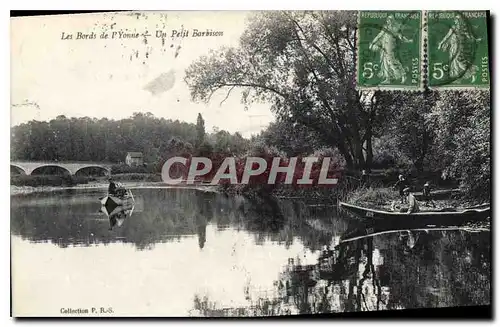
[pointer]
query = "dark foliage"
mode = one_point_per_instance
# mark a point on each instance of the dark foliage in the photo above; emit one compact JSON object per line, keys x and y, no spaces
{"x":48,"y":180}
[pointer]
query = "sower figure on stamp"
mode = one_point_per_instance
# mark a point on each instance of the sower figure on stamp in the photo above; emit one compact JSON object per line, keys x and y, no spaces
{"x":385,"y":43}
{"x":455,"y":42}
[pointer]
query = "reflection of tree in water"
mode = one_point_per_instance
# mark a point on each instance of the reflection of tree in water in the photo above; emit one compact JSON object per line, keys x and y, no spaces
{"x":203,"y":306}
{"x":447,"y":269}
{"x":439,"y":270}
{"x":165,"y":216}
{"x":264,"y":215}
{"x":282,"y":221}
{"x":169,"y":215}
{"x":51,"y":223}
{"x":201,"y":230}
{"x":379,"y":273}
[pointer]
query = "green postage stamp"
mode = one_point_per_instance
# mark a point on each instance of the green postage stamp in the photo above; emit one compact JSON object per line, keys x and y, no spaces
{"x":389,"y":45}
{"x":457,"y":49}
{"x":394,"y":46}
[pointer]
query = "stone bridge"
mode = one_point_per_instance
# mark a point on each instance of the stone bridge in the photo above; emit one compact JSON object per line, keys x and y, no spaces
{"x":33,"y":167}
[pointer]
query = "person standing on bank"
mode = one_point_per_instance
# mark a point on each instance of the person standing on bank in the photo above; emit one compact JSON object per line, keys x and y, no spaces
{"x":364,"y":178}
{"x":426,"y":192}
{"x":401,"y":184}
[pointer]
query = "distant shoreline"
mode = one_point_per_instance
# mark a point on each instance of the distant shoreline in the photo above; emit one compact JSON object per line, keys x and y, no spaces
{"x":24,"y":190}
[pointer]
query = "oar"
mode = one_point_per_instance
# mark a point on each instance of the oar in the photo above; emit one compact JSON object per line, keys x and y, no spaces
{"x":133,"y":201}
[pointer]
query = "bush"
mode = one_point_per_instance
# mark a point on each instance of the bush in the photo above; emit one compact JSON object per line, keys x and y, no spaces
{"x":48,"y":180}
{"x":258,"y":185}
{"x":462,"y":123}
{"x":125,"y":169}
{"x":383,"y":159}
{"x":337,"y":160}
{"x":144,"y":177}
{"x":387,"y":154}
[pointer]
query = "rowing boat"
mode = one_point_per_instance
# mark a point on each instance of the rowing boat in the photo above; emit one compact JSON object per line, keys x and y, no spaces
{"x":445,"y":217}
{"x":117,"y":208}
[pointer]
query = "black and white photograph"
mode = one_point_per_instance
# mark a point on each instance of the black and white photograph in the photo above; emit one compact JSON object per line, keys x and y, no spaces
{"x":280,"y":163}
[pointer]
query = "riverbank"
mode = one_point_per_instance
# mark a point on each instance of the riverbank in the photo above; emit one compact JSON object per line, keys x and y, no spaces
{"x":23,"y":190}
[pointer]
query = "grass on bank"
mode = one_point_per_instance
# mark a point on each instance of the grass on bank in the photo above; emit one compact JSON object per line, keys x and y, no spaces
{"x":375,"y":196}
{"x":48,"y":180}
{"x":72,"y":180}
{"x":137,"y":177}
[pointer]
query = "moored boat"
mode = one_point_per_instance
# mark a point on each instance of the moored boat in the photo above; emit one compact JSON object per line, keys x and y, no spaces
{"x":445,"y":217}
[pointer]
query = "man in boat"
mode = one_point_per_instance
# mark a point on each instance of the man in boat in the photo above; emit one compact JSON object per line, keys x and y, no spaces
{"x":401,"y":184}
{"x":116,"y":189}
{"x":112,"y":187}
{"x":426,"y":192}
{"x":412,"y":201}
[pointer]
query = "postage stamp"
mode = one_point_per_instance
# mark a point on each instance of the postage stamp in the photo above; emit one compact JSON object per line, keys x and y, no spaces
{"x":458,"y":49}
{"x":389,"y":47}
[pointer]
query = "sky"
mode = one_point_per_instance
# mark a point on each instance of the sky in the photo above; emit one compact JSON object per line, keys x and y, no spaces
{"x":116,"y":77}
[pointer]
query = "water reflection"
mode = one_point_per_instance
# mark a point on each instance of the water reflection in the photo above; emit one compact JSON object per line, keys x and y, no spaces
{"x":166,"y":215}
{"x":442,"y":269}
{"x":200,"y":253}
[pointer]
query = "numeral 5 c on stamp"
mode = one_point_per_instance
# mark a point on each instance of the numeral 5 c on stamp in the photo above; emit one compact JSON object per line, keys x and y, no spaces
{"x":457,"y":49}
{"x":389,"y":50}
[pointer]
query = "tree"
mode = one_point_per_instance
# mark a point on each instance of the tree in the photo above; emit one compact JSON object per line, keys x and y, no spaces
{"x":406,"y":126}
{"x":90,"y":139}
{"x":461,"y":121}
{"x":200,"y":130}
{"x":226,"y":143}
{"x":302,"y":63}
{"x":291,"y":138}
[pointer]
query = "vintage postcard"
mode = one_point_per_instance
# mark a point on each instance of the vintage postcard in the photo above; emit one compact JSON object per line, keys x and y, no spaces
{"x":250,"y":164}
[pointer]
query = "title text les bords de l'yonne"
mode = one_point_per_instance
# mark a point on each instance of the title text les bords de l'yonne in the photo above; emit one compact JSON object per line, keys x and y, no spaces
{"x":179,"y":33}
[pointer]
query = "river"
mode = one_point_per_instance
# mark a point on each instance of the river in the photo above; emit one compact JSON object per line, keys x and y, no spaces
{"x":192,"y":253}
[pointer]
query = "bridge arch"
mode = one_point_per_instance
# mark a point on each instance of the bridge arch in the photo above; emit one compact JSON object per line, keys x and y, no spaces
{"x":104,"y":170}
{"x":40,"y":169}
{"x":17,"y":170}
